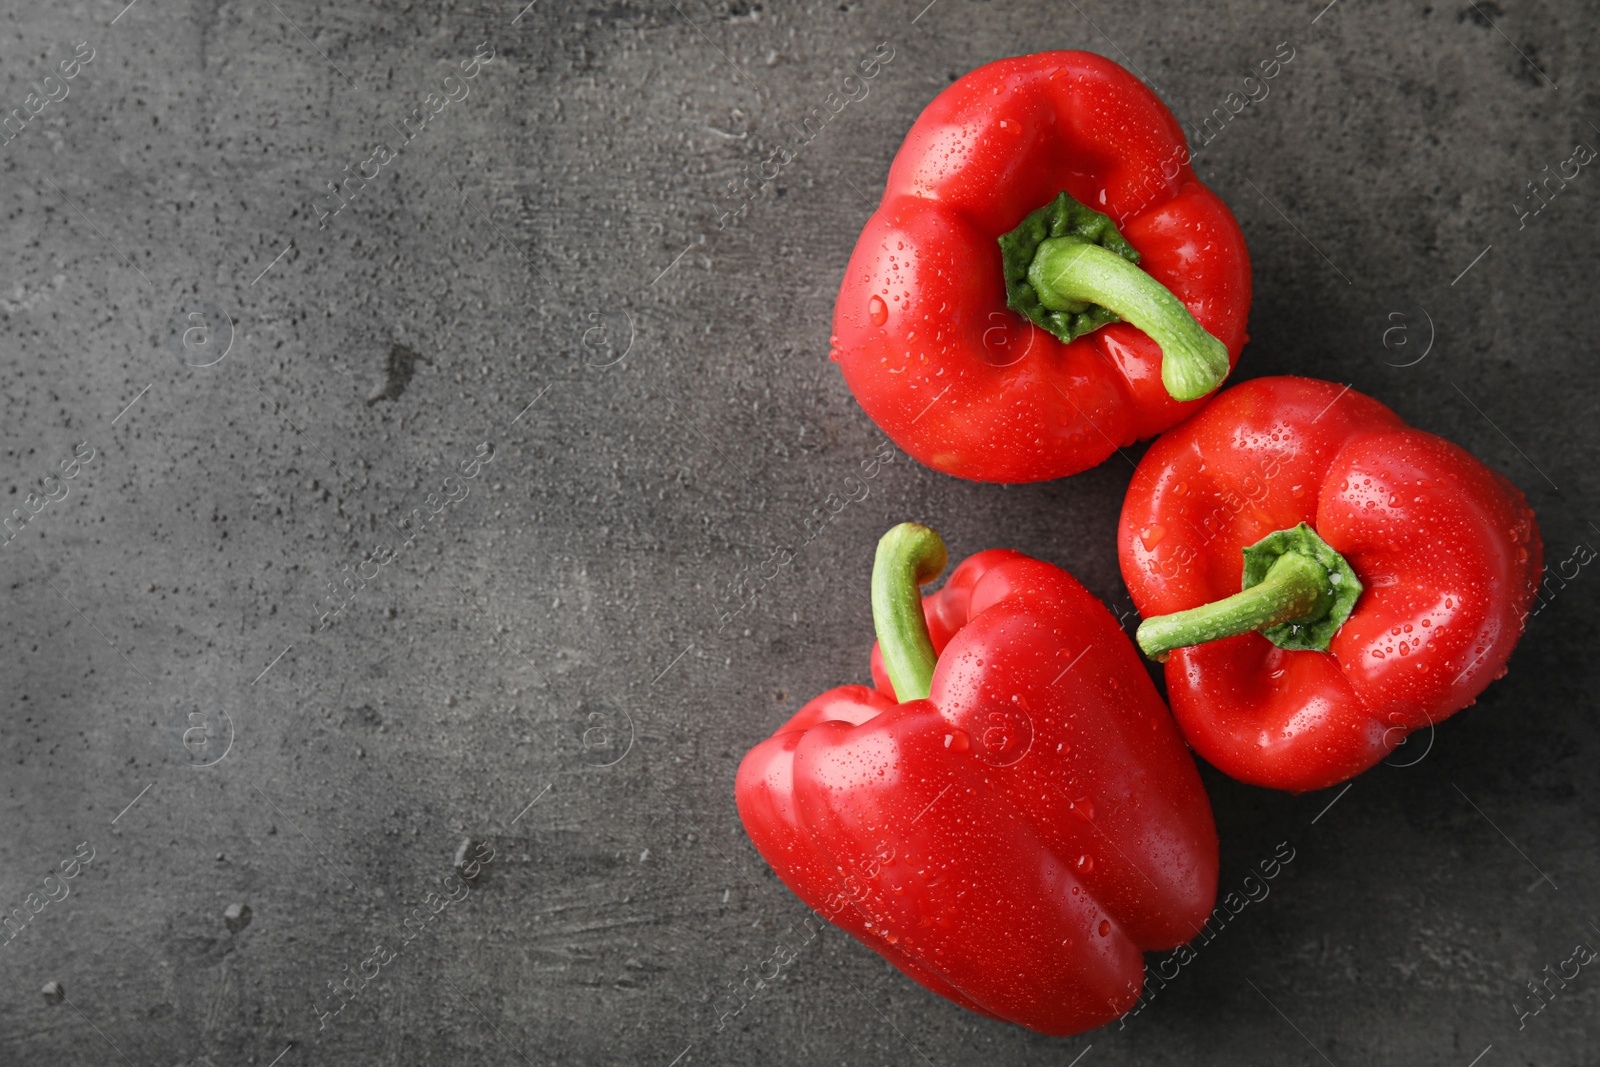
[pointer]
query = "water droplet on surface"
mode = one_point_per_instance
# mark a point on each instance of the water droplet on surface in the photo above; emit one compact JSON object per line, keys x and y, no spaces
{"x":1085,"y":863}
{"x":877,"y":311}
{"x":1105,"y":927}
{"x":1151,"y":536}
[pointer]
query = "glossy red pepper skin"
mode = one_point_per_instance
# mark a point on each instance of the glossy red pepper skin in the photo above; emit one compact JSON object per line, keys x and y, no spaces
{"x":921,"y":327}
{"x":1446,"y":549}
{"x":1015,"y":841}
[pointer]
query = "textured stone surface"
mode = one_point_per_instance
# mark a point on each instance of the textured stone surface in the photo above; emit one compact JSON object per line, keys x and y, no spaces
{"x":542,"y":669}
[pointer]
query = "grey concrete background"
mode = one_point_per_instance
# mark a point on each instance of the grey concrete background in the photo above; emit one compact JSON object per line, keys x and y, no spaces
{"x":552,"y":639}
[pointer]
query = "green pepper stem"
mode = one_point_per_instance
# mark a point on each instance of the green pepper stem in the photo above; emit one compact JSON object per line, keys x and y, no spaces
{"x":909,"y":555}
{"x":1070,"y":274}
{"x":1296,"y":589}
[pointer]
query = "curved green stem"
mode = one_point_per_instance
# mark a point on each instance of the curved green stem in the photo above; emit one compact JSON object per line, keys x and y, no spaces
{"x":1297,"y":592}
{"x":1293,"y":590}
{"x":909,"y":555}
{"x":1070,"y":274}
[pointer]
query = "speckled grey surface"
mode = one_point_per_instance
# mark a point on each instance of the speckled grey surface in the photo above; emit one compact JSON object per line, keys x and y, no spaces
{"x":541,"y":268}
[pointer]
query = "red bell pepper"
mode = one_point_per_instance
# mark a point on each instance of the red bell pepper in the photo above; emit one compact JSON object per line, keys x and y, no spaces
{"x":1022,"y":825}
{"x":978,"y":320}
{"x":1379,"y":577}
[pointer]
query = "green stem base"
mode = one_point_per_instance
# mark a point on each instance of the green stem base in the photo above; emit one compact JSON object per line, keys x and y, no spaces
{"x":1297,"y":592}
{"x":1070,"y":272}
